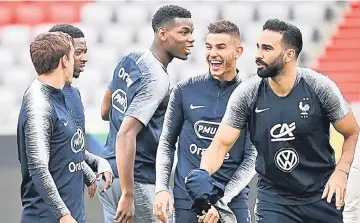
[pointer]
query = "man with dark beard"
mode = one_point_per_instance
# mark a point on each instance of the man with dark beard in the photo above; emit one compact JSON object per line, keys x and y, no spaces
{"x":288,"y":111}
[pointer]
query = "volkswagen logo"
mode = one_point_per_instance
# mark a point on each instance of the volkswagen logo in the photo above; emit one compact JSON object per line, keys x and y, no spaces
{"x":286,"y":159}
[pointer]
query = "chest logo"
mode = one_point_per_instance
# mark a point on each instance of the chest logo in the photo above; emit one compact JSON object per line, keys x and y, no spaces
{"x":286,"y":159}
{"x":119,"y":101}
{"x":257,"y":110}
{"x":205,"y":129}
{"x":192,"y":107}
{"x":304,"y":108}
{"x":78,"y":141}
{"x":282,"y":132}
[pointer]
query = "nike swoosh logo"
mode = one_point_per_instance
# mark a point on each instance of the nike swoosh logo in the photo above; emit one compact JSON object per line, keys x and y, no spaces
{"x":66,"y":123}
{"x":257,"y":110}
{"x":196,"y":106}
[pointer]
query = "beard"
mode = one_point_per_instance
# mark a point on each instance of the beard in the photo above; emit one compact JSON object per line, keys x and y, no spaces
{"x":272,"y":69}
{"x":76,"y":74}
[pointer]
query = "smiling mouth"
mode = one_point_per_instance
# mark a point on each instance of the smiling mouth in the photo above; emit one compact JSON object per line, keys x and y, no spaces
{"x":216,"y":63}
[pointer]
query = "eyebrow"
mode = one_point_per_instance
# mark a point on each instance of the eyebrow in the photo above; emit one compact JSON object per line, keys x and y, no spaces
{"x":265,"y":45}
{"x":220,"y":44}
{"x":186,"y":28}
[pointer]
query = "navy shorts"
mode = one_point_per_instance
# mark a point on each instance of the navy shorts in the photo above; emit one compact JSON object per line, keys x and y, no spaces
{"x":317,"y":212}
{"x":183,"y":215}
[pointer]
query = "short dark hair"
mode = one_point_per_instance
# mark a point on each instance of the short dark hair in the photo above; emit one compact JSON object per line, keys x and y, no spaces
{"x":167,"y":13}
{"x":71,"y":30}
{"x":47,"y":49}
{"x":291,"y":34}
{"x":224,"y":26}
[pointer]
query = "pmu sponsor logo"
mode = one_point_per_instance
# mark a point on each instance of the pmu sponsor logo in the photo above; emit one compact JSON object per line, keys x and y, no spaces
{"x":194,"y":149}
{"x":205,"y":129}
{"x":74,"y":167}
{"x":78,"y":141}
{"x":119,"y":100}
{"x":125,"y":76}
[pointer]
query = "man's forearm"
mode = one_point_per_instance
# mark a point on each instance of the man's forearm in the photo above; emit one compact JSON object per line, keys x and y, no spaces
{"x":125,"y":159}
{"x":242,"y":177}
{"x":348,"y":152}
{"x":46,"y":187}
{"x":212,"y":158}
{"x":89,"y":175}
{"x":164,"y":163}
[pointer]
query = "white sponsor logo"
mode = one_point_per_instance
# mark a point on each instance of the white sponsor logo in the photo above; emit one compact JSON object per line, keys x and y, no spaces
{"x":286,"y":159}
{"x":257,"y":110}
{"x":196,"y":106}
{"x":73,"y":167}
{"x":125,"y":76}
{"x":194,"y":149}
{"x":205,"y":129}
{"x":282,"y":132}
{"x":66,"y":123}
{"x":119,"y":100}
{"x":78,"y":141}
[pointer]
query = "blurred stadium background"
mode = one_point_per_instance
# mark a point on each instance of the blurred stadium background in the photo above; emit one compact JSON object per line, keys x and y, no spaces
{"x":331,"y":34}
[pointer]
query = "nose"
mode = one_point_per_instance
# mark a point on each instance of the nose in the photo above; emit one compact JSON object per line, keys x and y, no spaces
{"x":84,"y":58}
{"x":213,"y":52}
{"x":259,"y":55}
{"x":191,"y":38}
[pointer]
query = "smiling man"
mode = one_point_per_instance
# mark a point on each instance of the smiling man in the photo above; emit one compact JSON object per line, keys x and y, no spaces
{"x":137,"y":98}
{"x":194,"y":121}
{"x":289,"y":111}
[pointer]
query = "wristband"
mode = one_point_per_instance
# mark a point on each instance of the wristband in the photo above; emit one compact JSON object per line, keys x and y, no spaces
{"x":343,"y":171}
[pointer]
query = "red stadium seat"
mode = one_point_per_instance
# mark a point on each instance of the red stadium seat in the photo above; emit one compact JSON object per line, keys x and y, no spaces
{"x":63,"y":13}
{"x":6,"y":14}
{"x":341,"y":58}
{"x":29,"y":13}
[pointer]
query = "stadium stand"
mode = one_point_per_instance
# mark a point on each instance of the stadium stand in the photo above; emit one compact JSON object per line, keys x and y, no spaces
{"x":113,"y":28}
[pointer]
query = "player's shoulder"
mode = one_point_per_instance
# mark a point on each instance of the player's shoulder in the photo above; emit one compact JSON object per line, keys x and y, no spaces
{"x":37,"y":96}
{"x":193,"y":80}
{"x":249,"y":84}
{"x":316,"y":80}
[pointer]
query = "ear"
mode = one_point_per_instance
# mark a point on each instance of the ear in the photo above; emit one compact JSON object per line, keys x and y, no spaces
{"x":239,"y":51}
{"x":64,"y":61}
{"x":162,"y":33}
{"x":289,"y":55}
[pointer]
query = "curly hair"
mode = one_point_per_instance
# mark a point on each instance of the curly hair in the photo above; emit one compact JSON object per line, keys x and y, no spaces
{"x":167,"y":13}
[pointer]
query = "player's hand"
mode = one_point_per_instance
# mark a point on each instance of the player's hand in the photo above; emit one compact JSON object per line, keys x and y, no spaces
{"x":67,"y":219}
{"x":162,"y":200}
{"x":108,"y":178}
{"x":125,"y":210}
{"x":336,"y":184}
{"x":212,"y":216}
{"x":92,"y":191}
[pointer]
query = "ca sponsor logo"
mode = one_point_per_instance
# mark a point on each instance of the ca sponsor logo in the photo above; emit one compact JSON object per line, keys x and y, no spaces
{"x":194,"y":149}
{"x":119,"y":100}
{"x":78,"y":141}
{"x":74,"y":167}
{"x":125,"y":76}
{"x":205,"y":129}
{"x":282,"y":132}
{"x":286,"y":159}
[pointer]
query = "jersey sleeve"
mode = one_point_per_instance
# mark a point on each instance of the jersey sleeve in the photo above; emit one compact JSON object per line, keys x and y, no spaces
{"x":148,"y":96}
{"x":38,"y":130}
{"x":244,"y":173}
{"x":173,"y":122}
{"x":238,"y":106}
{"x":89,"y":175}
{"x":97,"y":163}
{"x":333,"y":102}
